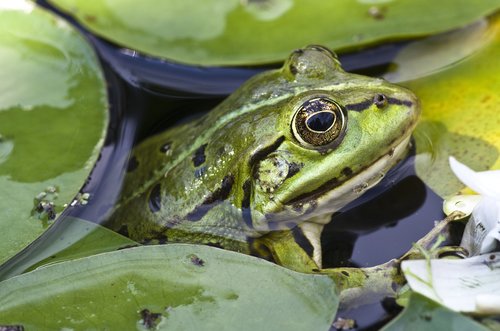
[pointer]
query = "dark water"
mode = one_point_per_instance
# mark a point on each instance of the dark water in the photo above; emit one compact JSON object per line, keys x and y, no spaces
{"x":148,"y":95}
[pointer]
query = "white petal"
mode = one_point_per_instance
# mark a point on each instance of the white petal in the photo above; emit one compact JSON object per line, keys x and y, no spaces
{"x":481,"y":232}
{"x":458,"y":284}
{"x":21,"y":5}
{"x":484,"y":182}
{"x":488,"y":211}
{"x":488,"y":304}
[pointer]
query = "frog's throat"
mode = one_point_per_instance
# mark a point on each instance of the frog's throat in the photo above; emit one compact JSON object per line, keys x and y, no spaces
{"x":347,"y":192}
{"x":331,"y":199}
{"x":350,"y":190}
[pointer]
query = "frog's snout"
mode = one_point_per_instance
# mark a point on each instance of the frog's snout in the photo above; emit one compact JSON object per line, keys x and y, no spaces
{"x":414,"y":110}
{"x":410,"y":103}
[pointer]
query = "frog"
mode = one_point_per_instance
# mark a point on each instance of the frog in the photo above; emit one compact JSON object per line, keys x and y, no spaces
{"x":264,"y":171}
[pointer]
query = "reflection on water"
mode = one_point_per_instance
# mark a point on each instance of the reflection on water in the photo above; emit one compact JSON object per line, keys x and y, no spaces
{"x":347,"y":239}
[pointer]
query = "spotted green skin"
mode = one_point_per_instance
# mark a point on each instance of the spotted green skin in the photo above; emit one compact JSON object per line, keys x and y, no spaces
{"x":238,"y":174}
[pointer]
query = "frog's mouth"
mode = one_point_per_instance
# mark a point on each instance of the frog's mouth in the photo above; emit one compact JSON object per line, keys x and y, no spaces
{"x":335,"y":194}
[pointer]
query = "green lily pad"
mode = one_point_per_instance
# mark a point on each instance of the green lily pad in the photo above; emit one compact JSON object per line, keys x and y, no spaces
{"x":459,"y":108}
{"x":435,"y":144}
{"x":433,"y":54}
{"x":424,"y":314}
{"x":174,"y":287}
{"x":53,"y":115}
{"x":77,"y":238}
{"x":249,"y":32}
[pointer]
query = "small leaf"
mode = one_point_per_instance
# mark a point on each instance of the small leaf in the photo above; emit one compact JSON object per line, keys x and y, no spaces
{"x":462,"y":203}
{"x":424,"y":314}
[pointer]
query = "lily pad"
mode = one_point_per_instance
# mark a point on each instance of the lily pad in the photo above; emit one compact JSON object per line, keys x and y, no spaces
{"x":53,"y":115}
{"x":433,"y":54}
{"x":75,"y":238}
{"x":424,"y":314}
{"x":435,"y":144}
{"x":174,"y":287}
{"x":249,"y":32}
{"x":459,"y":111}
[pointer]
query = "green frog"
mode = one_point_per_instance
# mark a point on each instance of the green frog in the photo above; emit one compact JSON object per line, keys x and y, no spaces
{"x":271,"y":163}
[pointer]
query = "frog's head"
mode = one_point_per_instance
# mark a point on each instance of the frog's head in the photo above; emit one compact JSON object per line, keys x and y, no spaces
{"x":334,"y":135}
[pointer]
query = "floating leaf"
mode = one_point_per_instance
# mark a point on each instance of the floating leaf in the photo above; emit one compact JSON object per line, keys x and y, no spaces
{"x":460,"y":112}
{"x":431,"y":55}
{"x":76,"y":238}
{"x":435,"y":144}
{"x":243,"y":32}
{"x":53,"y":115}
{"x":174,"y":287}
{"x":424,"y":314}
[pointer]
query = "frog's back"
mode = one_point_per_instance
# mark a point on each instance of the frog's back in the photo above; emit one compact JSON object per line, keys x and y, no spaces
{"x":187,"y":184}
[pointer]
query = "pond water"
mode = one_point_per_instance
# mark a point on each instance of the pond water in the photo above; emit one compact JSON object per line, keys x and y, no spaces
{"x":148,"y":95}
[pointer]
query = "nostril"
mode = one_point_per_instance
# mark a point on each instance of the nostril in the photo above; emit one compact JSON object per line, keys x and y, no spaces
{"x":380,"y":100}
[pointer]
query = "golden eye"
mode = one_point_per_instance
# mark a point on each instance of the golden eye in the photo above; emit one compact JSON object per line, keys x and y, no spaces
{"x":319,"y":123}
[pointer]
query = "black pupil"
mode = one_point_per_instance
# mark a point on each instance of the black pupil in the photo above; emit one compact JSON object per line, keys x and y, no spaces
{"x":321,"y":121}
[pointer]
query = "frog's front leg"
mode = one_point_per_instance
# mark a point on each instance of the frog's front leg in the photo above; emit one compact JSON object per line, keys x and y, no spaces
{"x":356,"y":285}
{"x":359,"y":286}
{"x":287,"y":252}
{"x":312,"y":231}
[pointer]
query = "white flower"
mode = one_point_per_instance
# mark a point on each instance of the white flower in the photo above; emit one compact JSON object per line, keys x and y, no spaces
{"x":483,"y":228}
{"x":470,"y":285}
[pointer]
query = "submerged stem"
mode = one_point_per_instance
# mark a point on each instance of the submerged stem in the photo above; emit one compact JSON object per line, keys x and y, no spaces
{"x":359,"y":286}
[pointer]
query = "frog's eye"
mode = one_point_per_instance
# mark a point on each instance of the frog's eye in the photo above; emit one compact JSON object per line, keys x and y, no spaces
{"x":319,"y":123}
